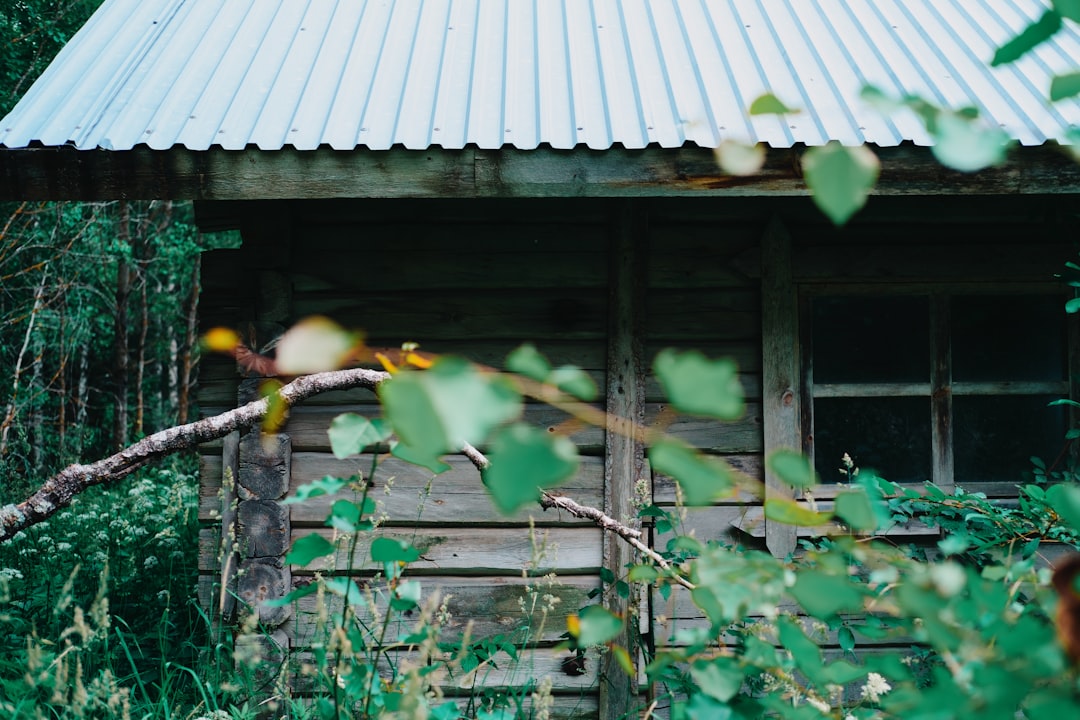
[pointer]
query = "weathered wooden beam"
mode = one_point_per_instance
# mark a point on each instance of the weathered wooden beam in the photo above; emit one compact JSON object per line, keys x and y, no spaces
{"x":65,"y":173}
{"x":780,"y":370}
{"x":624,"y":463}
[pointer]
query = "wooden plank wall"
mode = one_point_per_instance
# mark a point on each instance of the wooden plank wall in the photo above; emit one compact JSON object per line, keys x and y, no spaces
{"x":477,"y":278}
{"x":457,"y":279}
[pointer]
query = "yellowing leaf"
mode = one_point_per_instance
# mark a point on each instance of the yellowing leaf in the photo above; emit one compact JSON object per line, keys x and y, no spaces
{"x":220,"y":339}
{"x":315,"y":344}
{"x":790,"y":512}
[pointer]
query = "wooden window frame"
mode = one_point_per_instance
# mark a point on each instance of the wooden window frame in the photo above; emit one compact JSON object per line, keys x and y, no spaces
{"x":939,"y":388}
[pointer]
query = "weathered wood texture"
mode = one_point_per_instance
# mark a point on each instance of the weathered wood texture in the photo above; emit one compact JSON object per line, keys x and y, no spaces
{"x":69,"y":174}
{"x":624,"y":455}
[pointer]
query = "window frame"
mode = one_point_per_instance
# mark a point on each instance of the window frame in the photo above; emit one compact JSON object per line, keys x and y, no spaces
{"x":939,"y":388}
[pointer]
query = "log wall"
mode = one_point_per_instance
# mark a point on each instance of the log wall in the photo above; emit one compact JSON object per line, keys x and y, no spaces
{"x":478,"y":278}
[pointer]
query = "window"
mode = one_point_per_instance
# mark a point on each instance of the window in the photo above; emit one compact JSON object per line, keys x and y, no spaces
{"x":933,"y":384}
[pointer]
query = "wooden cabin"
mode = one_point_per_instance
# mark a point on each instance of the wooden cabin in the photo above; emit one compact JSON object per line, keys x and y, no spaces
{"x":471,"y":176}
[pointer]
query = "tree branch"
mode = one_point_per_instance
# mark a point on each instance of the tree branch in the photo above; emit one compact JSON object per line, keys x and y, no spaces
{"x":610,"y":524}
{"x":59,"y":490}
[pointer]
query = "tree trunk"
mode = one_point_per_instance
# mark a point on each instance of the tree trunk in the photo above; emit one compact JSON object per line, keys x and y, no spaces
{"x":120,"y":337}
{"x":187,"y":366}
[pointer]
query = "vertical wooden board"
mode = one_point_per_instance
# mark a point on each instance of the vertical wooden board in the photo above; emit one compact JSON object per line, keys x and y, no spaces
{"x":780,"y":369}
{"x":624,"y":455}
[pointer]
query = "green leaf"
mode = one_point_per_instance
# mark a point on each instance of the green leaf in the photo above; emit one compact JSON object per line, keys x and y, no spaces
{"x":439,"y":410}
{"x":1068,"y":9}
{"x":962,"y":144}
{"x":345,"y":517}
{"x":702,"y":478}
{"x":769,"y":104}
{"x":1037,"y":32}
{"x":842,"y":672}
{"x":351,"y":433}
{"x":792,"y":468}
{"x":528,"y":361}
{"x":326,"y":486}
{"x":416,"y":456}
{"x":574,"y":381}
{"x":1065,"y":86}
{"x":840,"y":178}
{"x":346,"y":588}
{"x":524,"y":460}
{"x":639,"y":573}
{"x":308,"y":548}
{"x":699,"y":386}
{"x":1063,"y":401}
{"x":720,"y":678}
{"x":855,"y":509}
{"x":790,"y":512}
{"x":406,"y":596}
{"x":845,"y":638}
{"x":1072,"y":305}
{"x":824,"y":595}
{"x":804,"y":651}
{"x":296,"y":594}
{"x":1065,"y":500}
{"x":597,"y":625}
{"x":386,"y":549}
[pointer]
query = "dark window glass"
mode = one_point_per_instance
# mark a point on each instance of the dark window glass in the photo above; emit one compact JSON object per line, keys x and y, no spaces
{"x":871,"y":339}
{"x":994,"y":436}
{"x":1015,"y":338}
{"x":888,"y":435}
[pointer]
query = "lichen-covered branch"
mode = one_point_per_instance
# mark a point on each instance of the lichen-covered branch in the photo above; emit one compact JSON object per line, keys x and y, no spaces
{"x":610,"y":524}
{"x":58,"y":491}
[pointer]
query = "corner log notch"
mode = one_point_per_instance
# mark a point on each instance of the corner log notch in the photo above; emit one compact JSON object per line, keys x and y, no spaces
{"x":66,"y":173}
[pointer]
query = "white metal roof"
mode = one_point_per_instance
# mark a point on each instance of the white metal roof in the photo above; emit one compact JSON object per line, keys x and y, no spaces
{"x":567,"y":73}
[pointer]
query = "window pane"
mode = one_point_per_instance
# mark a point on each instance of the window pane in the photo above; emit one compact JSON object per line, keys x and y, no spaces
{"x":871,"y":339}
{"x":993,"y":436}
{"x":889,"y":435}
{"x":1017,"y":338}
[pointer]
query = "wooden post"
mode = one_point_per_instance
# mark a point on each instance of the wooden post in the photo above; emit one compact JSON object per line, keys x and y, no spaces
{"x":781,"y":398}
{"x":624,"y":462}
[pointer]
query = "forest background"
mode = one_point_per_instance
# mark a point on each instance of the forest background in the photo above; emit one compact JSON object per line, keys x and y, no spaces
{"x":98,"y":334}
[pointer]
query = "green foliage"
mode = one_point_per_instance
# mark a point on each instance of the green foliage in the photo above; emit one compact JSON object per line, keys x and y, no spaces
{"x":840,"y":178}
{"x":524,"y":461}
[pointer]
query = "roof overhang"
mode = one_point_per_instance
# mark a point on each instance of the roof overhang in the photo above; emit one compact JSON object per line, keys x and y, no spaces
{"x":66,"y":173}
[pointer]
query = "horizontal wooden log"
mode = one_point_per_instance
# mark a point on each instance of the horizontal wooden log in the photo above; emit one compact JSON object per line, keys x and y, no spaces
{"x":408,"y":494}
{"x":454,"y":551}
{"x":508,"y":606}
{"x":752,"y":466}
{"x":577,"y":680}
{"x":218,"y":391}
{"x":553,"y":312}
{"x":65,"y":173}
{"x":307,"y":427}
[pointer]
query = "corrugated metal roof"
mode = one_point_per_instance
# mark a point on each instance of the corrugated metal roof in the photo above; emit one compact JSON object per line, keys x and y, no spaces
{"x":450,"y":73}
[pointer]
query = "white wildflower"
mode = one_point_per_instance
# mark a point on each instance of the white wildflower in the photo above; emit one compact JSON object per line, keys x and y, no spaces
{"x":875,"y":687}
{"x":9,"y":573}
{"x":818,"y":703}
{"x":150,"y":562}
{"x":63,"y":547}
